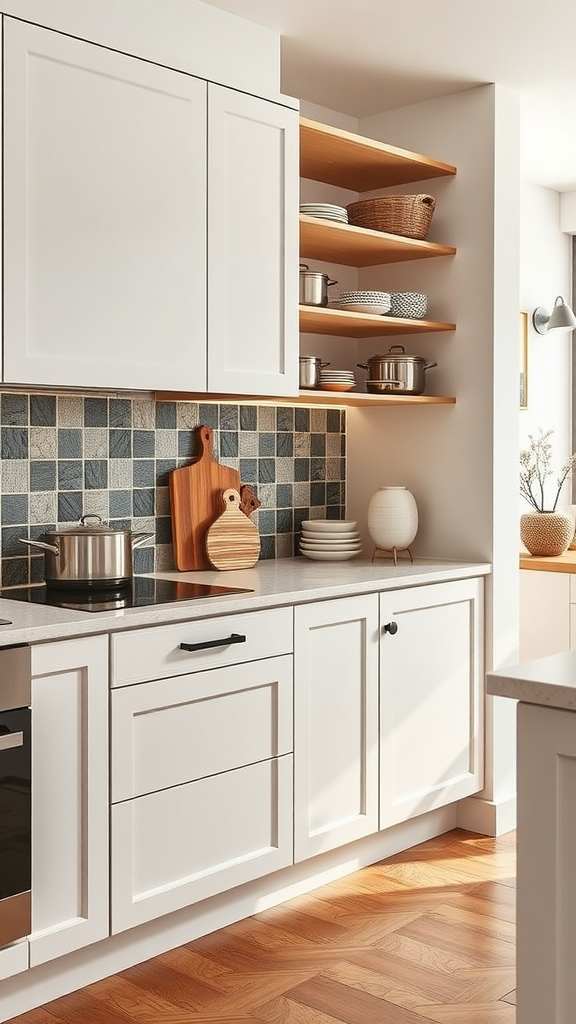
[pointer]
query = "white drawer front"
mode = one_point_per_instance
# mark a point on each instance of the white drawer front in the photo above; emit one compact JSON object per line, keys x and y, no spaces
{"x":173,"y":731}
{"x":155,"y":653}
{"x":174,"y":848}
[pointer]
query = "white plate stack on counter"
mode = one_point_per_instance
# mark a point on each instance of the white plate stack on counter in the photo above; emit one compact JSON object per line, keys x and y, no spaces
{"x":330,"y":540}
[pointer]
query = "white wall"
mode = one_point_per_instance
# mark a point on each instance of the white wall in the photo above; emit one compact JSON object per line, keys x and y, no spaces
{"x":545,"y":272}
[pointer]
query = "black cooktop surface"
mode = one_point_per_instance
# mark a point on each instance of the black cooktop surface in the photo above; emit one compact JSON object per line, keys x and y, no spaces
{"x":141,"y":592}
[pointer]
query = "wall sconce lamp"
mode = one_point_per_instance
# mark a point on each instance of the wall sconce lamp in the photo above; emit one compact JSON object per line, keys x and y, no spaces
{"x":561,"y":318}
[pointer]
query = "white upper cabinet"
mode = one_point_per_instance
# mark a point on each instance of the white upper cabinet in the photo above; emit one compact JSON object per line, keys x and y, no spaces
{"x":252,"y":245}
{"x":105,"y":227}
{"x":115,"y":211}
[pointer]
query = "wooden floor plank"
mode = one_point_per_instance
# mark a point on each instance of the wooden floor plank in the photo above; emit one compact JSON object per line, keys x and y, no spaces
{"x":425,"y":936}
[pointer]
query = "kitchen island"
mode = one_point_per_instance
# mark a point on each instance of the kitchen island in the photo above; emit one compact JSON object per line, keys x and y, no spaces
{"x":546,"y":847}
{"x":197,"y":761}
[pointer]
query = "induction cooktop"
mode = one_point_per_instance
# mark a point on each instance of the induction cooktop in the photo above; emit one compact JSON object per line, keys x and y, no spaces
{"x":141,"y":592}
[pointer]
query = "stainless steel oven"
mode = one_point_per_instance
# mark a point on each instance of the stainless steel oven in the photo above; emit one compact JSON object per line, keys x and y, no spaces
{"x":15,"y":793}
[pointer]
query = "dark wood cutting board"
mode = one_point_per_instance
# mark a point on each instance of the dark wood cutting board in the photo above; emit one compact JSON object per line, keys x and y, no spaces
{"x":196,"y":502}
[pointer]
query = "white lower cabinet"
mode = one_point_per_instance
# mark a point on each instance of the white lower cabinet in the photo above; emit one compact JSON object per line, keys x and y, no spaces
{"x":431,"y":697}
{"x":202,"y":767}
{"x":70,"y":800}
{"x":335,"y":723}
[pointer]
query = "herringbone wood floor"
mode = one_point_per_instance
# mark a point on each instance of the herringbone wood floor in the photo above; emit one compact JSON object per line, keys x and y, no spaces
{"x":427,"y":935}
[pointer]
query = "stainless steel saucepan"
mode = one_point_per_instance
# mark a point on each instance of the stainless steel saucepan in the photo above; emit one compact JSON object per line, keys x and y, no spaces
{"x":397,"y":372}
{"x":89,"y":554}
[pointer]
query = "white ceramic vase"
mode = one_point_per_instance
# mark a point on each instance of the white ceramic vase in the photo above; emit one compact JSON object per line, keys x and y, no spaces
{"x":392,"y":518}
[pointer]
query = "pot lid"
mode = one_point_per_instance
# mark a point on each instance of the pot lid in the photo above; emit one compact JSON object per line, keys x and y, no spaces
{"x":84,"y":528}
{"x":396,"y":353}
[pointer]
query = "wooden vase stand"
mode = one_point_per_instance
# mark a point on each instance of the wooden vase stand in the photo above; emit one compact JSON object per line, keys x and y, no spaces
{"x":382,"y":552}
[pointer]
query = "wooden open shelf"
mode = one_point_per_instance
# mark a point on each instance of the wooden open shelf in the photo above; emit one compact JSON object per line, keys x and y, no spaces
{"x":341,"y":323}
{"x":342,"y":158}
{"x":361,"y":247}
{"x":311,"y":397}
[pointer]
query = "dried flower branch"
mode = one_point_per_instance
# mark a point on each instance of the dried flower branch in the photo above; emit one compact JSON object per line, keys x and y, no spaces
{"x":536,"y":466}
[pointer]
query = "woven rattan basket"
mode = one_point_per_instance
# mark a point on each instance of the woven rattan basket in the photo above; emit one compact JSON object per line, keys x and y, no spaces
{"x":399,"y":215}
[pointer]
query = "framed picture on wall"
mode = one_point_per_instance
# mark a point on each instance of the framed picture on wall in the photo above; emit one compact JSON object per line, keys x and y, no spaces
{"x":523,"y":360}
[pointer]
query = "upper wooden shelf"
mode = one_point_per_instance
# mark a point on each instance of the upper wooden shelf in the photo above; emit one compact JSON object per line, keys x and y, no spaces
{"x":361,"y":247}
{"x":311,"y":397}
{"x":339,"y":322}
{"x":351,"y":161}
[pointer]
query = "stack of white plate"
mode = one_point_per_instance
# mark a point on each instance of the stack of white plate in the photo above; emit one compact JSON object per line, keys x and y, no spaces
{"x":330,"y":540}
{"x":327,"y":211}
{"x":376,"y":303}
{"x":337,"y":380}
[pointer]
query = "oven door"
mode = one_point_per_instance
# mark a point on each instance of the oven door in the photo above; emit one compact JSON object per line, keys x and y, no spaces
{"x":15,"y":824}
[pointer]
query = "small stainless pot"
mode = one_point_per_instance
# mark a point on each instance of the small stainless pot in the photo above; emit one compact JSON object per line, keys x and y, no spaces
{"x":314,"y":287}
{"x":310,"y":367}
{"x":88,"y":555}
{"x":397,"y":372}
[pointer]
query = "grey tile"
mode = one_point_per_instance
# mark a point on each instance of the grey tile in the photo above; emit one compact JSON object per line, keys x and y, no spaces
{"x":248,"y":417}
{"x":120,"y":504}
{"x":301,"y":495}
{"x":285,"y":545}
{"x":11,"y":541}
{"x":333,"y":494}
{"x":162,"y":501}
{"x":15,"y":476}
{"x":70,"y":475}
{"x":266,"y":494}
{"x":187,"y":415}
{"x":266,"y":471}
{"x":70,"y":506}
{"x":266,"y":445}
{"x":143,"y":501}
{"x":285,"y":445}
{"x":14,"y":509}
{"x":96,"y":503}
{"x":166,"y":444}
{"x":333,"y":445}
{"x":163,"y":469}
{"x":284,"y":470}
{"x":229,"y":418}
{"x":43,"y":410}
{"x":318,"y":421}
{"x":317,"y":469}
{"x":317,"y":494}
{"x":43,"y":507}
{"x":301,"y":445}
{"x":228,"y":444}
{"x":120,"y":412}
{"x":165,"y":416}
{"x":333,"y":469}
{"x":284,"y":496}
{"x":208,"y":415}
{"x":284,"y":418}
{"x":143,"y":414}
{"x":143,"y":473}
{"x":120,"y":474}
{"x":95,"y":474}
{"x":248,"y":471}
{"x":70,"y":411}
{"x":301,"y":470}
{"x":267,"y":418}
{"x":143,"y":560}
{"x":164,"y":558}
{"x":266,"y":521}
{"x":267,"y":548}
{"x":248,"y":444}
{"x":333,"y":421}
{"x":143,"y":444}
{"x":96,"y":443}
{"x":163,"y":530}
{"x":301,"y":420}
{"x":318,"y":445}
{"x":186,"y":445}
{"x":14,"y":572}
{"x":43,"y":443}
{"x":284,"y":520}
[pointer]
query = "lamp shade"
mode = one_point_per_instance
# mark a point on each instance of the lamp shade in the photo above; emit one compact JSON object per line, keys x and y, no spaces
{"x":561,"y":318}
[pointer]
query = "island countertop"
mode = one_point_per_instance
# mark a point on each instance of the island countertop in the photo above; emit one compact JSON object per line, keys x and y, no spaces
{"x":273,"y":583}
{"x":549,"y":682}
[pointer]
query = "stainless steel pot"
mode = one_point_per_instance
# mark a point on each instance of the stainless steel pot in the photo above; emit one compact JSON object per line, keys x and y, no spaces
{"x":310,"y":367}
{"x":314,"y":287}
{"x":88,"y":555}
{"x":397,"y":372}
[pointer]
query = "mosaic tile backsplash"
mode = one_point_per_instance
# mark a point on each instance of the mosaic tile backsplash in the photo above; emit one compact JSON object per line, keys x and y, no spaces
{"x":63,"y":456}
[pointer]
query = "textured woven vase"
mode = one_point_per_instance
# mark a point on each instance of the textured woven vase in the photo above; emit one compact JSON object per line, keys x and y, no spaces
{"x":392,"y":518}
{"x":546,"y":533}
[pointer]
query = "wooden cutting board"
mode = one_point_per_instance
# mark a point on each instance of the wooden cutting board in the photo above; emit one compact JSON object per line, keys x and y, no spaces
{"x":196,"y":501}
{"x":233,"y":541}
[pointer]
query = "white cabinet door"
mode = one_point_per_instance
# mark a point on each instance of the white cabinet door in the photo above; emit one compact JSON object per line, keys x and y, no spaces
{"x":252,"y":245}
{"x":545,"y":614}
{"x":201,"y":785}
{"x":335,"y":723}
{"x":104,"y":217}
{"x":431,"y":697}
{"x":69,"y":796}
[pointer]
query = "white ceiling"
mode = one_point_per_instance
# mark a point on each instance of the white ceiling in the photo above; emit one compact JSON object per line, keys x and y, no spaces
{"x":365,"y":56}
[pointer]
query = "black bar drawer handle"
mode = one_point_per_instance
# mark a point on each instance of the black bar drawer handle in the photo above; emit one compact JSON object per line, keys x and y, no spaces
{"x":234,"y":638}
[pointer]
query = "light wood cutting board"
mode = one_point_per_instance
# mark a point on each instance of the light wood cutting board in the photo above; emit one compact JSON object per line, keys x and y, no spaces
{"x":233,"y":541}
{"x":196,"y":501}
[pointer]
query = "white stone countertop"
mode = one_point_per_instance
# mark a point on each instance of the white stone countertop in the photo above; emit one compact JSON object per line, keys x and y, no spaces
{"x":272,"y":583}
{"x":550,"y":681}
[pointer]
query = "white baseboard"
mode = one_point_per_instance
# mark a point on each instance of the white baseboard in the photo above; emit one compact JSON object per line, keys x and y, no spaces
{"x":487,"y":817}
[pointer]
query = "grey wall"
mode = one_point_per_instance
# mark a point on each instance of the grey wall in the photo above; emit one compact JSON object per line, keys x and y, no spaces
{"x":63,"y":456}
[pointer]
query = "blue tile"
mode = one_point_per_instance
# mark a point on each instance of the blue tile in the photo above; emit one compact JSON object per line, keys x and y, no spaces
{"x":14,"y":572}
{"x":70,"y":477}
{"x":208,"y":415}
{"x":95,"y":412}
{"x":284,"y":520}
{"x":186,"y":446}
{"x":143,"y":560}
{"x":120,"y":412}
{"x":266,"y":521}
{"x":143,"y":502}
{"x":120,"y":444}
{"x":144,"y":444}
{"x":120,"y":504}
{"x":284,"y":495}
{"x":228,"y":444}
{"x":96,"y":474}
{"x":11,"y":542}
{"x":14,"y":508}
{"x":163,"y":469}
{"x":166,"y":415}
{"x":14,"y":410}
{"x":143,"y":473}
{"x":69,"y":443}
{"x":266,"y":445}
{"x":249,"y":471}
{"x":14,"y":442}
{"x":43,"y":410}
{"x":42,"y":475}
{"x":70,"y":506}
